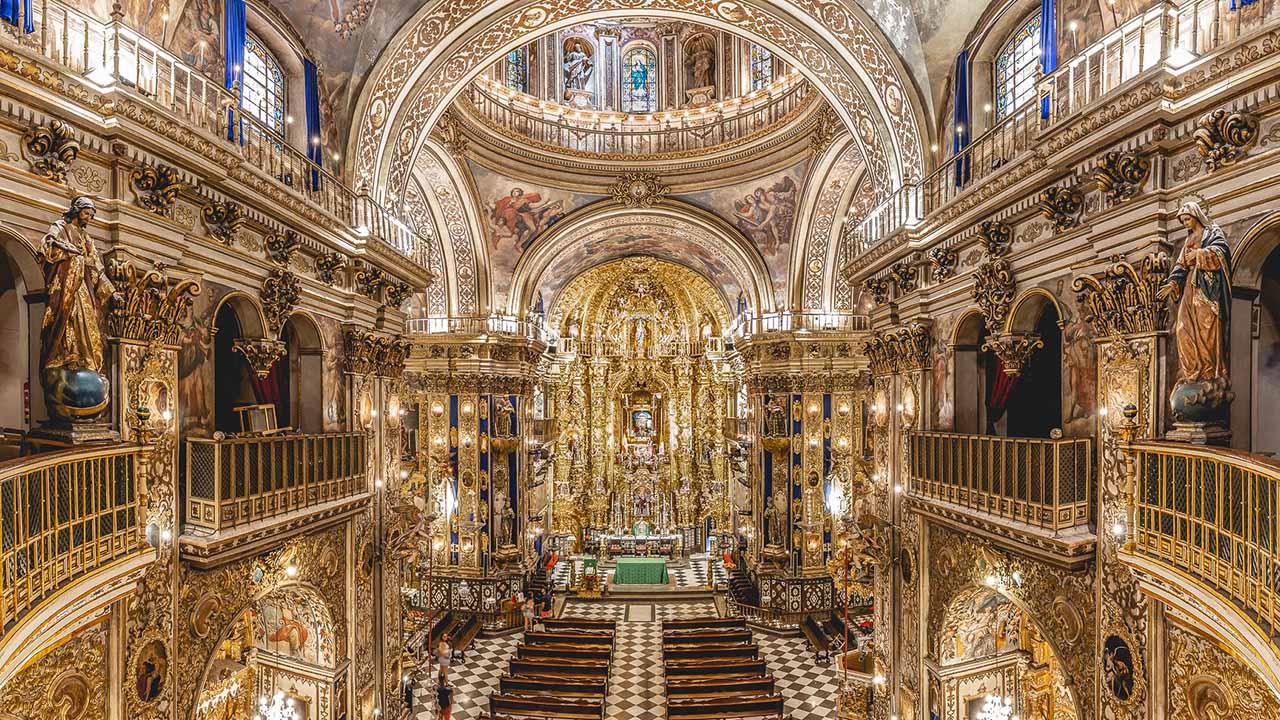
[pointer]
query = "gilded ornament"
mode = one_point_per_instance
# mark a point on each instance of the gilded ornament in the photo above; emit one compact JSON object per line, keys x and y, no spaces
{"x":878,"y":287}
{"x":281,"y":247}
{"x":155,"y":187}
{"x":1120,"y":175}
{"x":902,"y":349}
{"x":280,"y":293}
{"x":328,"y":266}
{"x":396,"y":293}
{"x":51,"y":149}
{"x":993,"y":287}
{"x":1123,"y":299}
{"x":903,"y":275}
{"x":944,"y":261}
{"x":449,"y":131}
{"x":1062,"y":206}
{"x":995,"y":237}
{"x":1013,"y":349}
{"x":261,"y":353}
{"x":638,"y":190}
{"x":151,"y":306}
{"x":824,"y":130}
{"x":368,"y":354}
{"x":224,"y":220}
{"x":67,"y":683}
{"x":1223,"y":137}
{"x":370,"y":282}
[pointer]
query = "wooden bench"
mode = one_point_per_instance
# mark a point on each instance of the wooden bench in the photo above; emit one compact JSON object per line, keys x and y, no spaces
{"x":700,"y":687}
{"x":577,"y":709}
{"x":464,"y":635}
{"x":557,"y":687}
{"x":710,"y":636}
{"x":543,"y":668}
{"x":579,"y":624}
{"x":563,"y":637}
{"x":570,"y":652}
{"x":717,"y":708}
{"x":704,"y":623}
{"x":749,"y":652}
{"x":719,"y":668}
{"x":818,"y":640}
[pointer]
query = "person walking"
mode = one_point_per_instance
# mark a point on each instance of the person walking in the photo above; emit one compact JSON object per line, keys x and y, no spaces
{"x":528,"y":614}
{"x":444,"y":655}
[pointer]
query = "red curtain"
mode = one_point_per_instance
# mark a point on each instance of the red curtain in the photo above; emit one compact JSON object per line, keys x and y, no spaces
{"x":999,"y":389}
{"x":270,"y":389}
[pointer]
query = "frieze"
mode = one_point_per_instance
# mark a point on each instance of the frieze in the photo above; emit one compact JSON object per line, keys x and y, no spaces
{"x":463,"y":382}
{"x":67,"y":683}
{"x":51,"y":149}
{"x":1223,"y":137}
{"x":1123,"y":299}
{"x":155,"y":187}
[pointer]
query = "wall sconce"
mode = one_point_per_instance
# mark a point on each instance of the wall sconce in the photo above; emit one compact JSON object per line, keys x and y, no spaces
{"x":467,"y":408}
{"x":437,"y":408}
{"x":373,"y":413}
{"x":813,"y":408}
{"x":404,"y":474}
{"x":844,"y":408}
{"x":813,"y":442}
{"x":844,"y":442}
{"x":377,"y":484}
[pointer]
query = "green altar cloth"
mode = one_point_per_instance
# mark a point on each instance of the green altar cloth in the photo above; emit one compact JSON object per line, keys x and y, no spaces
{"x":640,"y":571}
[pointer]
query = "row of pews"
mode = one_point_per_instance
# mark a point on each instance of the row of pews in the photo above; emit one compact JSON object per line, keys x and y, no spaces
{"x":714,"y":670}
{"x":825,"y":632}
{"x":561,"y":671}
{"x":462,"y":629}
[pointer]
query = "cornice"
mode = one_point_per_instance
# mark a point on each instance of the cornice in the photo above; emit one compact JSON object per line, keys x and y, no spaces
{"x":1070,"y":551}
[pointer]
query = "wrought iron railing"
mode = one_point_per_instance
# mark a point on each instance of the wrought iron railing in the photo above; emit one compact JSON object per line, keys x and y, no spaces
{"x":64,"y":515}
{"x":235,"y":481}
{"x":1213,"y":514}
{"x":115,"y":59}
{"x":601,"y":133}
{"x":767,"y":617}
{"x":1166,"y":38}
{"x":1043,"y":483}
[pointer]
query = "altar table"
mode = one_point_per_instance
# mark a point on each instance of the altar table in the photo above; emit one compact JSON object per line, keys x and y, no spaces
{"x":640,"y":571}
{"x":667,"y":546}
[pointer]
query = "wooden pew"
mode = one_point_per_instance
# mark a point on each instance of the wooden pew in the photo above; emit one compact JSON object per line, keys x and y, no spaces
{"x":579,"y":624}
{"x":704,"y":623}
{"x":552,"y":687}
{"x":561,"y":668}
{"x":818,"y":640}
{"x":717,"y":708}
{"x":680,"y":688}
{"x":576,"y":709}
{"x":562,"y":637}
{"x":736,"y":652}
{"x":712,"y":667}
{"x":712,"y":636}
{"x":464,"y":635}
{"x":569,"y":652}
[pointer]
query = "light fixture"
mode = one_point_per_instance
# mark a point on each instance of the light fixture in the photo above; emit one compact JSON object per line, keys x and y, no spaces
{"x":467,"y":407}
{"x":291,"y":570}
{"x":835,"y":499}
{"x":878,"y":679}
{"x":373,"y":413}
{"x":813,"y":442}
{"x":1073,"y":25}
{"x":996,"y":708}
{"x":1118,"y":530}
{"x":1102,"y":411}
{"x":844,"y":408}
{"x":986,"y":107}
{"x":813,"y":408}
{"x":992,"y":581}
{"x":900,"y":407}
{"x":404,"y":474}
{"x":377,"y":484}
{"x":166,"y":416}
{"x":437,"y":408}
{"x":166,"y":535}
{"x":934,"y":147}
{"x":276,"y":707}
{"x":897,"y":489}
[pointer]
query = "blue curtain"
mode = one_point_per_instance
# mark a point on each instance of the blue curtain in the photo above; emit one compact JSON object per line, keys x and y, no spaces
{"x":18,"y":13}
{"x":315,"y":151}
{"x":235,"y":29}
{"x":960,"y":127}
{"x":1235,"y":5}
{"x":1049,"y":46}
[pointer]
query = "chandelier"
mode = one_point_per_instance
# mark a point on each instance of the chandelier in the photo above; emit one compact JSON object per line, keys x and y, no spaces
{"x":997,"y":708}
{"x":276,"y":707}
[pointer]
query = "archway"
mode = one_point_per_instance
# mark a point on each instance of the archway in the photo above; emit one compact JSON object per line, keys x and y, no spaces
{"x":1255,"y":355}
{"x":1034,"y":403}
{"x":237,"y":317}
{"x":282,"y":642}
{"x":21,"y":312}
{"x":969,"y":380}
{"x":303,"y":406}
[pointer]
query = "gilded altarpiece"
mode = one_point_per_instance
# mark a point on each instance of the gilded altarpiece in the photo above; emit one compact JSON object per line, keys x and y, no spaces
{"x":1207,"y":681}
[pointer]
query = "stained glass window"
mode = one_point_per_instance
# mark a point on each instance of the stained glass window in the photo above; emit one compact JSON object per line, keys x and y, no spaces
{"x":518,"y":70}
{"x":262,"y":85}
{"x":639,"y":81}
{"x":1018,"y":68}
{"x":761,"y":67}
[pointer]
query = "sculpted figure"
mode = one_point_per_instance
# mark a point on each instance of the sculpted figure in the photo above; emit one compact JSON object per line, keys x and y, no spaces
{"x":777,"y":517}
{"x":502,"y":511}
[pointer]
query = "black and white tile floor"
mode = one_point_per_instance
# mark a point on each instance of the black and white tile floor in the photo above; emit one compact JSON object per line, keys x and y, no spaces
{"x":636,"y":684}
{"x":691,"y":575}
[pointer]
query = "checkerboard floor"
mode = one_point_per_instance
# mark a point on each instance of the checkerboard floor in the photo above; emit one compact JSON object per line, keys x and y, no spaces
{"x":636,"y":683}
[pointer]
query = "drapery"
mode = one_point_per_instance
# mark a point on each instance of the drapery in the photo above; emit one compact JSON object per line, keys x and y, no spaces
{"x":960,"y":129}
{"x":1049,"y":47}
{"x":270,"y":390}
{"x":1235,"y":4}
{"x":18,"y":14}
{"x":1000,"y":387}
{"x":235,"y":29}
{"x":315,"y":150}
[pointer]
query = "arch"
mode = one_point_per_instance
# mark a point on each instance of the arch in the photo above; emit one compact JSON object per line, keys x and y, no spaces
{"x":833,"y":180}
{"x":236,"y":316}
{"x":253,"y":321}
{"x":1251,"y":253}
{"x":968,"y":376}
{"x":304,"y":345}
{"x":21,"y":315}
{"x":450,"y":198}
{"x":445,"y":46}
{"x":728,"y":260}
{"x":1028,"y":306}
{"x":969,"y":329}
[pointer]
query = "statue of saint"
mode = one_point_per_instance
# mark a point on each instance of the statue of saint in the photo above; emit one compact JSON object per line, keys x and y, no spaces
{"x":80,"y":295}
{"x":775,"y":419}
{"x":502,"y":511}
{"x":577,"y":67}
{"x":1200,"y":283}
{"x":776,"y":515}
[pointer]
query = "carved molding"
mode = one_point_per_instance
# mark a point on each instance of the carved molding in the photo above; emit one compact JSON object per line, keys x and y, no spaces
{"x":150,"y":307}
{"x":1223,"y":137}
{"x":826,"y":125}
{"x":368,"y":354}
{"x":280,"y":293}
{"x":995,"y":237}
{"x":1207,"y":681}
{"x":328,"y":266}
{"x":449,"y":132}
{"x":68,"y":683}
{"x":155,"y":187}
{"x":901,"y":349}
{"x":1062,"y":206}
{"x":224,"y":220}
{"x":638,"y":190}
{"x":51,"y":149}
{"x":993,"y":287}
{"x":1121,"y":300}
{"x":395,"y":293}
{"x":903,"y":274}
{"x":1013,"y":349}
{"x":944,"y":261}
{"x":261,"y":353}
{"x":1120,"y":175}
{"x":281,"y":247}
{"x":878,"y":288}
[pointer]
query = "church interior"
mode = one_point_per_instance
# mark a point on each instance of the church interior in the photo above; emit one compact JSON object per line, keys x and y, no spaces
{"x":639,"y":359}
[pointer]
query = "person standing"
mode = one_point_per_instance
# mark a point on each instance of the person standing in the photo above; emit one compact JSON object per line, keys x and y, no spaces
{"x":528,"y":614}
{"x":444,"y":655}
{"x":444,"y":700}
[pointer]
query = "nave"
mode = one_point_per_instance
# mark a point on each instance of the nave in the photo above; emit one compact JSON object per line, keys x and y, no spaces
{"x":636,"y":682}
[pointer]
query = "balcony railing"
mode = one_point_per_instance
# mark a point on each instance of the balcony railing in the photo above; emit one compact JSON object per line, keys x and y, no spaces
{"x":64,"y":515}
{"x":112,"y":57}
{"x":744,"y":326}
{"x":558,"y":127}
{"x":1166,"y":38}
{"x":1213,"y":514}
{"x":236,"y":481}
{"x":1043,"y":483}
{"x":502,"y":325}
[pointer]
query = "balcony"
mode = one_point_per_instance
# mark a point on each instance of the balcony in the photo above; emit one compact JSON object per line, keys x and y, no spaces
{"x":65,"y":516}
{"x":746,"y":326}
{"x":618,"y":136}
{"x":244,"y":487}
{"x":139,"y":76}
{"x":1211,"y":516}
{"x":1166,"y":41}
{"x":496,"y":325}
{"x":1022,"y":489}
